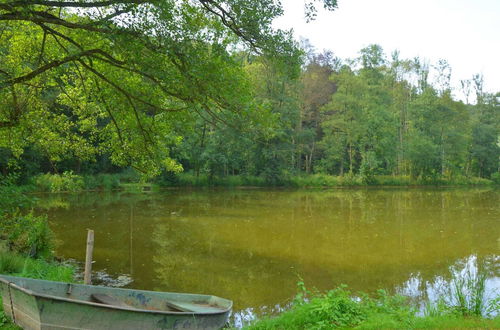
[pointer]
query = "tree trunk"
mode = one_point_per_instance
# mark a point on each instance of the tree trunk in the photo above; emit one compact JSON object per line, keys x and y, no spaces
{"x":443,"y":165}
{"x":309,"y":165}
{"x":202,"y":144}
{"x":350,"y":158}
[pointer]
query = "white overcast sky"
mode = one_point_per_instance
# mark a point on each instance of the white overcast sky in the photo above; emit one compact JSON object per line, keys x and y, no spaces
{"x":464,"y":32}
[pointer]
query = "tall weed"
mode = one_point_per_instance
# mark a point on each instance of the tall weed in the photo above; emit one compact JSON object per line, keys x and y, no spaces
{"x":467,"y":292}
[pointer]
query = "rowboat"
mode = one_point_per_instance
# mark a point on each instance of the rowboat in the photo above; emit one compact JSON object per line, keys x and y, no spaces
{"x":40,"y":304}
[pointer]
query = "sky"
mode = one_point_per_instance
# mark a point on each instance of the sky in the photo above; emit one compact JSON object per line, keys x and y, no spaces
{"x":464,"y":32}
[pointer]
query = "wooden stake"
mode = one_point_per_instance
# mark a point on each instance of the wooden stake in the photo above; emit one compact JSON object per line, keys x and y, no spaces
{"x":87,"y":279}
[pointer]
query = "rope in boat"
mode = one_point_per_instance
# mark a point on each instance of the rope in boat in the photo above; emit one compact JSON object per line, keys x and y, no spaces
{"x":11,"y":304}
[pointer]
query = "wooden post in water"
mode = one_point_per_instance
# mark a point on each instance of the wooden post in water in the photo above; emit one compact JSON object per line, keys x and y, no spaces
{"x":87,"y":278}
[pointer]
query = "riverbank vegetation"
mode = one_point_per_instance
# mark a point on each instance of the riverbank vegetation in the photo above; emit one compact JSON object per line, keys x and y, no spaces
{"x":338,"y":308}
{"x":26,"y":242}
{"x":458,"y":300}
{"x":18,"y":265}
{"x":317,"y":181}
{"x":131,"y":182}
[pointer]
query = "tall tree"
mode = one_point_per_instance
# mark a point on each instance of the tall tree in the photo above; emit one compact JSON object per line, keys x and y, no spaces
{"x":125,"y":70}
{"x":316,"y":91}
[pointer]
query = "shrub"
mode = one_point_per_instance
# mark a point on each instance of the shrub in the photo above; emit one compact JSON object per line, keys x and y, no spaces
{"x":351,"y":180}
{"x":392,"y":180}
{"x":314,"y":180}
{"x":68,"y":181}
{"x":167,"y":179}
{"x":101,"y":181}
{"x":495,"y":177}
{"x":27,"y":234}
{"x":90,"y":182}
{"x":129,"y":175}
{"x":12,"y":197}
{"x":109,"y":181}
{"x":338,"y":309}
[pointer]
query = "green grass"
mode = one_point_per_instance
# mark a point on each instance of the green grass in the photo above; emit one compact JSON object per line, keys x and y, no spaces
{"x":338,"y":309}
{"x":314,"y":181}
{"x":189,"y":179}
{"x":34,"y":268}
{"x":130,"y":182}
{"x":455,"y":322}
{"x":17,"y":265}
{"x":139,"y":187}
{"x":102,"y":181}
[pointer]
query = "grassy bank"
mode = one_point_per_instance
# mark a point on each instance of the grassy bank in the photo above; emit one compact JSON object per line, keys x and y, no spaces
{"x":13,"y":264}
{"x":316,"y":181}
{"x":338,"y":309}
{"x":131,"y":181}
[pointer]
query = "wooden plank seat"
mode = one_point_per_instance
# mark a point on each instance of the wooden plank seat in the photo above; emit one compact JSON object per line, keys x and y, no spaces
{"x":110,"y":300}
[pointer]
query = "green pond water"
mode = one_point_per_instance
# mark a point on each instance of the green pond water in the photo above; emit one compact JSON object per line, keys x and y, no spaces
{"x":252,"y":246}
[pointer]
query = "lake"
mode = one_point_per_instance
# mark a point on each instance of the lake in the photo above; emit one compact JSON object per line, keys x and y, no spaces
{"x":254,"y":245}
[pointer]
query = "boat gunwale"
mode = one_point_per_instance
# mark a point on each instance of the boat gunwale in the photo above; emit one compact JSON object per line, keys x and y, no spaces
{"x":95,"y":304}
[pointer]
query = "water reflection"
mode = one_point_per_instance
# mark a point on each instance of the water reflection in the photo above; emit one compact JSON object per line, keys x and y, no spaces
{"x":251,"y":246}
{"x":464,"y":276}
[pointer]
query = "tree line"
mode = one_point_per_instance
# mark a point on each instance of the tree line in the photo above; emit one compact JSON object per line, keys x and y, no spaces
{"x":367,"y":116}
{"x":96,"y":87}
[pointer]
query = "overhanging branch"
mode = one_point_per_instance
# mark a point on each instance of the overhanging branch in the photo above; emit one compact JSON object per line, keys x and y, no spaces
{"x":73,"y":4}
{"x":52,"y":65}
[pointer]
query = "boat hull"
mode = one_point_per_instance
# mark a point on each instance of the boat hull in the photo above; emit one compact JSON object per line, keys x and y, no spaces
{"x":37,"y":304}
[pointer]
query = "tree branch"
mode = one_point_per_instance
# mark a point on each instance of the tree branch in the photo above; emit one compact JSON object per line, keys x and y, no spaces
{"x":52,"y":65}
{"x":74,"y":4}
{"x":43,"y":17}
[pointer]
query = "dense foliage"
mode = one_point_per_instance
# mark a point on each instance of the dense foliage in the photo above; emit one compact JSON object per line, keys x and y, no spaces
{"x":22,"y":231}
{"x":339,"y":309}
{"x":121,"y":78}
{"x":212,"y":89}
{"x":356,"y":118}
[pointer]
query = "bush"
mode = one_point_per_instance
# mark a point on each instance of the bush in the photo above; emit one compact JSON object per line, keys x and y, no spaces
{"x":12,"y":197}
{"x":167,"y":179}
{"x":314,"y":180}
{"x":68,"y":181}
{"x":24,"y":233}
{"x":351,"y":180}
{"x":392,"y":180}
{"x":189,"y":179}
{"x":27,"y":234}
{"x":101,"y":181}
{"x":338,"y":309}
{"x":495,"y":177}
{"x":129,"y":175}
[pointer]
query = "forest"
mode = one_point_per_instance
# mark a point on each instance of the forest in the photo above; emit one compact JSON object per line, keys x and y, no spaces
{"x":197,"y":101}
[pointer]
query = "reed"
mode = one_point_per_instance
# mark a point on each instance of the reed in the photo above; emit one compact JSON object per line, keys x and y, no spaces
{"x":467,"y":292}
